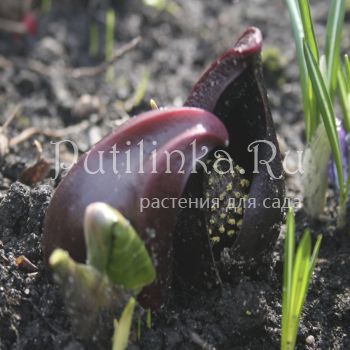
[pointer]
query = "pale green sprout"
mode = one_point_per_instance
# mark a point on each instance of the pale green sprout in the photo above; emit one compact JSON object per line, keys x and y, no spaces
{"x":109,"y":44}
{"x":118,"y":264}
{"x":114,"y":248}
{"x":46,"y":5}
{"x":153,"y":104}
{"x":149,"y":318}
{"x":297,"y":274}
{"x":162,"y":5}
{"x":122,"y":328}
{"x":86,"y":291}
{"x":139,"y":93}
{"x":94,"y":40}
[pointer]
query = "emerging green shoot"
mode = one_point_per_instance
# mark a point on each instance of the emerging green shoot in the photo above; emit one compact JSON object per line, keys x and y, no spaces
{"x":149,"y":318}
{"x":157,"y":4}
{"x":46,"y":5}
{"x":109,"y":44}
{"x":297,"y":274}
{"x":94,"y":40}
{"x":122,"y":328}
{"x":162,"y":5}
{"x":139,"y":94}
{"x":117,"y":264}
{"x":153,"y":104}
{"x":85,"y":291}
{"x":347,"y":69}
{"x":114,"y":248}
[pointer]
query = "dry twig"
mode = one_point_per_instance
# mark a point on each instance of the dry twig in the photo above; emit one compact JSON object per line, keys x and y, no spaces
{"x":196,"y":339}
{"x":28,"y":133}
{"x":81,"y":72}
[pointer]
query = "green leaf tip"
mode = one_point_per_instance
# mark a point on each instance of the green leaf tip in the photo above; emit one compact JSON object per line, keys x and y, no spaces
{"x":58,"y":257}
{"x":122,"y":328}
{"x":114,"y":248}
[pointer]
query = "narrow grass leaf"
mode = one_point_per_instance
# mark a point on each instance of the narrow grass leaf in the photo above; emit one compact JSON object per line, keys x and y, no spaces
{"x":122,"y":328}
{"x":298,"y":33}
{"x":310,"y":38}
{"x":315,"y":255}
{"x":109,"y":45}
{"x":94,"y":40}
{"x":334,"y":33}
{"x":344,"y":97}
{"x":309,"y":31}
{"x":347,"y":70}
{"x":304,"y":275}
{"x":301,"y":267}
{"x":327,"y":112}
{"x":289,"y":247}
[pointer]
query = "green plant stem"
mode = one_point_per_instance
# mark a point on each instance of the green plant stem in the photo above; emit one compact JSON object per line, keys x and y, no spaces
{"x":94,"y":40}
{"x":122,"y":328}
{"x":110,"y":28}
{"x":289,"y":247}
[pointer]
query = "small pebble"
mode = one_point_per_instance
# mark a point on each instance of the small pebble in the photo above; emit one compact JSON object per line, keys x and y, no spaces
{"x":310,"y":340}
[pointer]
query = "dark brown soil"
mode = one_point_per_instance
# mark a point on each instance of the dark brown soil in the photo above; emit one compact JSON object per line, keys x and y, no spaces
{"x":175,"y":48}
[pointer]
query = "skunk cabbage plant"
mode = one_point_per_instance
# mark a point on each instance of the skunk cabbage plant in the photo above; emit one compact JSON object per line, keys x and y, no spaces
{"x":195,"y":182}
{"x":117,"y":265}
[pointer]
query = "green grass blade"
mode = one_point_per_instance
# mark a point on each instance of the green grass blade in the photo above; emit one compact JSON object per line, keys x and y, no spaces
{"x":334,"y":33}
{"x":310,"y":38}
{"x":289,"y":247}
{"x":315,"y":255}
{"x":298,"y":33}
{"x":301,"y":267}
{"x":304,"y":275}
{"x":309,"y":31}
{"x":344,"y":97}
{"x":122,"y":328}
{"x":94,"y":44}
{"x":347,"y":70}
{"x":327,"y":112}
{"x":109,"y":44}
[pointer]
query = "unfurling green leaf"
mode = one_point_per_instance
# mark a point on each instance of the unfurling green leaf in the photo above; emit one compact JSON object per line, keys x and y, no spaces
{"x":115,"y":248}
{"x":86,"y":291}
